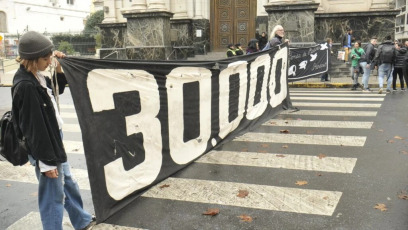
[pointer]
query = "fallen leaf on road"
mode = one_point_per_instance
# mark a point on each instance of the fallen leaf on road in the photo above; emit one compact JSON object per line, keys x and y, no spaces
{"x":321,"y":156}
{"x":286,"y":122}
{"x":380,"y":130}
{"x":164,"y":186}
{"x":212,"y":212}
{"x":242,"y":193}
{"x":381,"y":207}
{"x":403,"y":195}
{"x":390,"y":141}
{"x":319,"y":174}
{"x":404,"y":152}
{"x":301,"y":182}
{"x":285,"y":146}
{"x":310,"y":132}
{"x":34,"y":194}
{"x":244,"y":150}
{"x":280,"y":155}
{"x":399,"y":138}
{"x":75,"y":150}
{"x":265,"y":145}
{"x":8,"y":185}
{"x":325,"y":198}
{"x":245,"y":218}
{"x":273,"y":123}
{"x":284,"y":131}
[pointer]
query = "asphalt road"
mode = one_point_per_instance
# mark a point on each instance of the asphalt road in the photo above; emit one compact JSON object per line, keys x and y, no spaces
{"x":348,"y":149}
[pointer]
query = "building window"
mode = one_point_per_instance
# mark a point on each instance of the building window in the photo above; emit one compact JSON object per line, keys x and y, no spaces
{"x":70,"y":2}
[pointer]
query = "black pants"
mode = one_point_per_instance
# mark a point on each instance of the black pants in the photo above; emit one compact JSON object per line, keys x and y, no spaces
{"x":400,"y":73}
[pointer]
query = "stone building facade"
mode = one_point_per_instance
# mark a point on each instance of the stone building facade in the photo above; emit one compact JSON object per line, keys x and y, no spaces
{"x":174,"y":29}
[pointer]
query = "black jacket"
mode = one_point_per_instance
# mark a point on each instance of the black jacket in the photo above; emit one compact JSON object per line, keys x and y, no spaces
{"x":400,"y":58}
{"x":378,"y":54}
{"x":34,"y":113}
{"x":369,"y":50}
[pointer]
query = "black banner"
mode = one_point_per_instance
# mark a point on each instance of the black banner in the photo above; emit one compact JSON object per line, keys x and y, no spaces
{"x":308,"y":62}
{"x":142,"y":121}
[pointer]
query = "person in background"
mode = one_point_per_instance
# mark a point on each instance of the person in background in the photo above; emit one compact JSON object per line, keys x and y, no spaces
{"x":238,"y":49}
{"x":263,"y":39}
{"x":35,"y":111}
{"x":276,"y":37}
{"x":356,"y":54}
{"x":366,"y":62}
{"x":325,"y":76}
{"x":346,"y":43}
{"x":231,"y":50}
{"x":399,"y":67}
{"x":252,"y":46}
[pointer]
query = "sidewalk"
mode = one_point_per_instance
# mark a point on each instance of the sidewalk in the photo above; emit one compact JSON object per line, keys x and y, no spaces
{"x":6,"y":80}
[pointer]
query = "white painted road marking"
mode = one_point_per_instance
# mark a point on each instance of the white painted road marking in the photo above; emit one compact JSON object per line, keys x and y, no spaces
{"x":336,"y":99}
{"x":332,"y":113}
{"x":303,"y":139}
{"x":265,"y":197}
{"x":75,"y":147}
{"x":286,"y":161}
{"x":72,"y":128}
{"x":337,"y":105}
{"x":336,"y":94}
{"x":320,"y":124}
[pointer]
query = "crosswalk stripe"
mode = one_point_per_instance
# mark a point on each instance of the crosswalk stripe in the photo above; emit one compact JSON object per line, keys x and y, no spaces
{"x":303,"y":139}
{"x":286,"y":161}
{"x":320,"y":124}
{"x":72,"y":128}
{"x":75,"y":147}
{"x":336,"y":99}
{"x":66,"y":106}
{"x":332,"y":113}
{"x":318,"y":202}
{"x":33,"y":220}
{"x":26,"y":174}
{"x":293,"y":90}
{"x":336,"y":94}
{"x":337,"y":105}
{"x":68,"y":115}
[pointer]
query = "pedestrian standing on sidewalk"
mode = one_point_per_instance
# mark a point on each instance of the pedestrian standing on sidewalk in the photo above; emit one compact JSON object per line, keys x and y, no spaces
{"x":356,"y":54}
{"x":347,"y":43}
{"x":385,"y":60}
{"x":325,"y":75}
{"x":399,"y":67}
{"x":36,"y":113}
{"x":263,"y":40}
{"x":366,"y":62}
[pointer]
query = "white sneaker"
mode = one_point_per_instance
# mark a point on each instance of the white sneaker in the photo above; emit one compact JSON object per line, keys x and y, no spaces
{"x":380,"y":91}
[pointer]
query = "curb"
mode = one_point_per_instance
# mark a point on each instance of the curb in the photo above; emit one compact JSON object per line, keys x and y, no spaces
{"x":327,"y":85}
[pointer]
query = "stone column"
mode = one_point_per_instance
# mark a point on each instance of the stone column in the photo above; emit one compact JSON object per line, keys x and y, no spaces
{"x":139,"y":5}
{"x":156,"y":4}
{"x":379,"y":5}
{"x":109,"y":8}
{"x":198,"y":13}
{"x":296,"y":16}
{"x":179,"y":9}
{"x":148,"y":33}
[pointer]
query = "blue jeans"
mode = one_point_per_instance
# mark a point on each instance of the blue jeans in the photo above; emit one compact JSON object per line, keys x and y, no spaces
{"x":51,"y":199}
{"x":51,"y":195}
{"x":366,"y":74}
{"x":385,"y":70}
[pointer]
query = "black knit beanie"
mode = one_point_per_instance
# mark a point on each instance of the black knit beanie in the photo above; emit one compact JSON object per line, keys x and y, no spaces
{"x":33,"y":45}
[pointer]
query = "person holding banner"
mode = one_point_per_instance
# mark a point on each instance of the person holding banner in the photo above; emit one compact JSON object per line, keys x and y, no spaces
{"x":277,"y":35}
{"x":325,"y":75}
{"x":356,"y":54}
{"x":35,"y":111}
{"x":347,"y":41}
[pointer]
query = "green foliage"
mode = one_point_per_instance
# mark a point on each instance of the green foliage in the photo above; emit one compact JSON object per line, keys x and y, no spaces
{"x":66,"y":47}
{"x":93,"y":20}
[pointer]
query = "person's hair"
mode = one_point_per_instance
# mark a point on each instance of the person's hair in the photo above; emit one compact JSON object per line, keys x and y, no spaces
{"x":388,"y":37}
{"x":373,"y":38}
{"x":348,"y":29}
{"x":359,"y":43}
{"x":399,"y":44}
{"x":276,"y":28}
{"x":328,"y":40}
{"x":252,"y":43}
{"x":31,"y":65}
{"x":229,"y":46}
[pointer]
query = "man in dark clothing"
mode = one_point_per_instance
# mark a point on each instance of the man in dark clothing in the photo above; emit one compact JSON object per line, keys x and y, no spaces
{"x":366,"y":62}
{"x":399,"y":67}
{"x":385,"y":60}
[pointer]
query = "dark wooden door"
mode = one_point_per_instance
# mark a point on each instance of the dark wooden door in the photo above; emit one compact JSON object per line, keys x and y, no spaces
{"x":233,"y":21}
